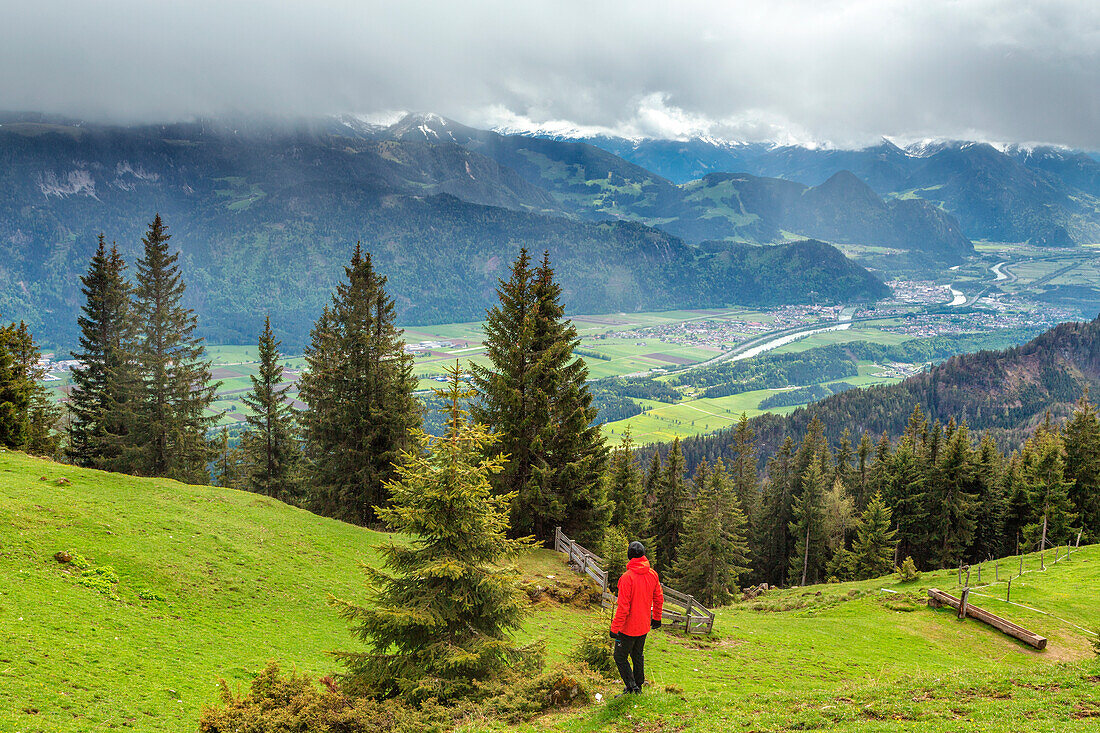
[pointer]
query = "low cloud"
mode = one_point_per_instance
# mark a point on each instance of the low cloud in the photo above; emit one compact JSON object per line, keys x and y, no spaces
{"x":842,"y":72}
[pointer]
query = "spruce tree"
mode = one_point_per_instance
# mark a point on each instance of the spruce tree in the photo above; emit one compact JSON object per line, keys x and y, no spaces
{"x":104,"y":383}
{"x":772,"y":538}
{"x":713,"y":552}
{"x":38,"y":415}
{"x":1082,"y":444}
{"x":903,"y":489}
{"x":990,"y":525}
{"x":440,"y":616}
{"x":872,"y":552}
{"x":743,"y":470}
{"x":15,"y":395}
{"x":169,"y":421}
{"x":949,"y":503}
{"x":1049,"y":488}
{"x":534,"y":398}
{"x":574,"y":453}
{"x":625,"y":491}
{"x":670,"y":507}
{"x":359,"y":388}
{"x":271,"y":448}
{"x":807,"y":527}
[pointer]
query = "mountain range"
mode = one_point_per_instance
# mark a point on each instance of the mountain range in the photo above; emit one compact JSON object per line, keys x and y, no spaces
{"x":266,"y":215}
{"x":1045,"y":195}
{"x":265,"y":212}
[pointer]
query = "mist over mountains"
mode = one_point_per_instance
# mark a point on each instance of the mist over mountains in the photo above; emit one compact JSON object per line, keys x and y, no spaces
{"x":266,"y":211}
{"x":265,"y":216}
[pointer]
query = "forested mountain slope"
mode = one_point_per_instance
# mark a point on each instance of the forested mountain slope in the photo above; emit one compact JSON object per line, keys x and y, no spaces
{"x":266,"y":217}
{"x":1006,"y":393}
{"x":595,"y":183}
{"x":1041,"y":194}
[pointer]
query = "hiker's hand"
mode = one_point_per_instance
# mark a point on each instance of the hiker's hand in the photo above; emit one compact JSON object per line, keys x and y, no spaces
{"x":655,"y":623}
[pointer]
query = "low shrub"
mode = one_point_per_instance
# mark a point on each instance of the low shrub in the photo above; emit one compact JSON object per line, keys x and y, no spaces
{"x":277,"y":702}
{"x":596,"y":650}
{"x":907,"y":573}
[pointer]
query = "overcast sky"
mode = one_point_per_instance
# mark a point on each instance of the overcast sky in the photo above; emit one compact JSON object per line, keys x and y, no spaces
{"x":845,"y":72}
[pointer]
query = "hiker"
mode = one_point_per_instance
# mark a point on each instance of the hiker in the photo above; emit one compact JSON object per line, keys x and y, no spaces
{"x":638,"y":610}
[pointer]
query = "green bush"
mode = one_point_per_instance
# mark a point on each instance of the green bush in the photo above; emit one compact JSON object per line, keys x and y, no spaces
{"x":523,"y":699}
{"x":595,"y":649}
{"x":614,"y":555}
{"x":281,"y":703}
{"x":278,"y":703}
{"x":907,"y":573}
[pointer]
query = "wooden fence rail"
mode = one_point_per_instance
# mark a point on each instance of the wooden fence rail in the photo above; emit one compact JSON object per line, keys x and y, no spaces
{"x":685,"y":611}
{"x":937,"y":598}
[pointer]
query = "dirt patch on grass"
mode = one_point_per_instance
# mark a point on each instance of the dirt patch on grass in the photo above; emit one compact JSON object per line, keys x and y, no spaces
{"x":669,"y":358}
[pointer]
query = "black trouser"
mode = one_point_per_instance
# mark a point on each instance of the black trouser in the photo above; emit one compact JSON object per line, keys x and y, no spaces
{"x":632,"y":647}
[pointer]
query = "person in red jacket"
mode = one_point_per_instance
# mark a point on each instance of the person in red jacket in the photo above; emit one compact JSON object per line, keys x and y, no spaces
{"x":638,"y":610}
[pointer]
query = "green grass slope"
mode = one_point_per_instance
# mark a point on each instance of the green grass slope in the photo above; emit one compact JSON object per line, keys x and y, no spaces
{"x":244,"y":579}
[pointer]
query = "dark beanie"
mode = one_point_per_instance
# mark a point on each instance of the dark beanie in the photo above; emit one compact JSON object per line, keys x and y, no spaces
{"x":636,"y":549}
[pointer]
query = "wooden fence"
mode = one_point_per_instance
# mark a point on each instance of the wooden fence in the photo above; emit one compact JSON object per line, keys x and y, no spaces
{"x":680,"y":608}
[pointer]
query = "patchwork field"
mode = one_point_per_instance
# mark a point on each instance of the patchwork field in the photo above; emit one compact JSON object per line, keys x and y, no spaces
{"x":662,"y":421}
{"x":212,"y":583}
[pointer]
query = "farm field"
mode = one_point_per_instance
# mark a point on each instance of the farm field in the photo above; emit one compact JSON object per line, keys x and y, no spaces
{"x":606,"y":356}
{"x":663,"y":421}
{"x":858,"y":332}
{"x":213,"y":583}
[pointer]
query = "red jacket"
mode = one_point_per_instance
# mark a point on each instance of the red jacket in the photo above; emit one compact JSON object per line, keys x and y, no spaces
{"x":640,"y":599}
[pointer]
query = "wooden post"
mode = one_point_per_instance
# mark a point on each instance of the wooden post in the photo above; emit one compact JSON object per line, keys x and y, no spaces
{"x":997,"y":571}
{"x":967,"y":577}
{"x":937,"y":598}
{"x":960,"y":575}
{"x":979,"y":573}
{"x":687,"y":614}
{"x":1008,"y":593}
{"x":962,"y":604}
{"x":1078,"y":540}
{"x":1043,"y":545}
{"x":1021,"y":564}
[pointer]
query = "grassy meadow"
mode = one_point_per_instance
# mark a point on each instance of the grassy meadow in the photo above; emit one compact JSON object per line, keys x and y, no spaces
{"x":212,"y":583}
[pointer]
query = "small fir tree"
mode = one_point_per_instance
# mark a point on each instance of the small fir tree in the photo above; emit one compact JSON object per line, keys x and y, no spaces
{"x":1082,"y":444}
{"x":1049,"y":493}
{"x":15,"y":396}
{"x":359,"y":390}
{"x":169,"y":418}
{"x":713,"y":552}
{"x":271,"y":446}
{"x":808,"y":528}
{"x":104,"y":382}
{"x":872,"y":552}
{"x":441,"y":614}
{"x":614,"y":549}
{"x":36,"y":416}
{"x":626,"y":492}
{"x":670,"y":507}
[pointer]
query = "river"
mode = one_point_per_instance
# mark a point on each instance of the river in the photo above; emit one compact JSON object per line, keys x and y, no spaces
{"x":776,"y":343}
